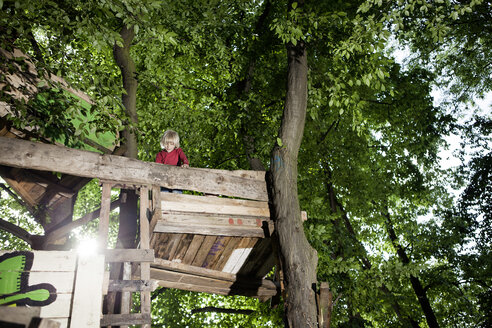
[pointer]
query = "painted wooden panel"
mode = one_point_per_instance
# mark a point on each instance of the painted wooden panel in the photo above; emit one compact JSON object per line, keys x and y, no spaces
{"x":46,"y":279}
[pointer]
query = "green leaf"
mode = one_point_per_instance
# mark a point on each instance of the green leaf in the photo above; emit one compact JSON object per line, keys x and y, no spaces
{"x":279,"y":142}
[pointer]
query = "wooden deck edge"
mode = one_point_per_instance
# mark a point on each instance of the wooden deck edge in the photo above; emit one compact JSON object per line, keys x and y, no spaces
{"x":164,"y":226}
{"x":125,"y":319}
{"x":261,"y":288}
{"x":165,"y":265}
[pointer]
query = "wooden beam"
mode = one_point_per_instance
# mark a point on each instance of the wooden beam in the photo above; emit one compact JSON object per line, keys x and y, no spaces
{"x":125,"y":319}
{"x":186,"y":281}
{"x":172,"y":202}
{"x":132,"y":285}
{"x":209,"y":229}
{"x":104,"y":215}
{"x":129,"y":255}
{"x":46,"y":157}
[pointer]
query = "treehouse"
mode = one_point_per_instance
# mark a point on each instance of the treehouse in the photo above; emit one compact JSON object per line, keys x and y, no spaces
{"x":214,"y":239}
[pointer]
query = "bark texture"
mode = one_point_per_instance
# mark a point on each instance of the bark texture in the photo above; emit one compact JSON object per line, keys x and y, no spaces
{"x":299,"y":260}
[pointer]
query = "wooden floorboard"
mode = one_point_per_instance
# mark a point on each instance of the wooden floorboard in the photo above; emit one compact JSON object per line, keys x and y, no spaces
{"x":203,"y":251}
{"x":192,"y":250}
{"x":215,"y":251}
{"x":183,"y":246}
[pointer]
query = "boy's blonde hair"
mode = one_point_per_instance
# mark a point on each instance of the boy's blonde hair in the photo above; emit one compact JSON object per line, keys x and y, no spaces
{"x":170,"y":135}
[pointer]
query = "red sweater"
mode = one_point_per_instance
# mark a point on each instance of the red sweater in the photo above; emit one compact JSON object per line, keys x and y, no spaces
{"x":176,"y":157}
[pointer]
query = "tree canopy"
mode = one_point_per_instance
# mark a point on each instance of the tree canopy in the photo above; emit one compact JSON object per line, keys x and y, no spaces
{"x":396,"y":245}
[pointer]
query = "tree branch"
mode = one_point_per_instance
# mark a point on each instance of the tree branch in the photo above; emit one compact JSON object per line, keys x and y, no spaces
{"x":222,"y":310}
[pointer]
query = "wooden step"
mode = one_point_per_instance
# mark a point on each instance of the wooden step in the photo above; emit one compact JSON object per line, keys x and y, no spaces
{"x":125,"y":319}
{"x":129,"y":255}
{"x":132,"y":285}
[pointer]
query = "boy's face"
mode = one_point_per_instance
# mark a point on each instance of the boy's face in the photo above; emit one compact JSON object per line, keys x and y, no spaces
{"x":170,"y":146}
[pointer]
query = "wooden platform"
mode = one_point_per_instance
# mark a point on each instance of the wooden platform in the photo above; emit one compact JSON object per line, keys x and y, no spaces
{"x":217,"y":243}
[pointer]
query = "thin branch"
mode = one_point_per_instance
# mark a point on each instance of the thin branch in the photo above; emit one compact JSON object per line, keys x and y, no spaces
{"x":222,"y":310}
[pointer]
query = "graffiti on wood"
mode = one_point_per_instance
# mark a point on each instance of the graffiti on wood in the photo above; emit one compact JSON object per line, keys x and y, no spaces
{"x":14,"y":282}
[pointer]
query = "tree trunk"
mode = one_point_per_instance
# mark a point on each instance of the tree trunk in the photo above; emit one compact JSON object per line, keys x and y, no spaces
{"x":128,"y":209}
{"x":298,"y":258}
{"x":419,"y":290}
{"x":127,"y":231}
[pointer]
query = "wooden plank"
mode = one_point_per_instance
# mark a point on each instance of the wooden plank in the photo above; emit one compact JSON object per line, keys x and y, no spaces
{"x":203,"y":251}
{"x":60,"y":308}
{"x":211,"y":230}
{"x":87,"y":297}
{"x":129,"y":255}
{"x":104,"y":215}
{"x":261,"y":259}
{"x":237,"y":259}
{"x":233,"y":243}
{"x":214,"y":219}
{"x":144,"y":244}
{"x":144,"y":221}
{"x":213,"y":205}
{"x":215,"y":251}
{"x":183,"y":246}
{"x":156,"y":208}
{"x":126,"y":297}
{"x":64,"y":280}
{"x":196,"y":243}
{"x":51,"y":261}
{"x":169,"y":245}
{"x":125,"y":319}
{"x":132,"y":285}
{"x":20,"y":315}
{"x":45,"y":157}
{"x":186,"y":281}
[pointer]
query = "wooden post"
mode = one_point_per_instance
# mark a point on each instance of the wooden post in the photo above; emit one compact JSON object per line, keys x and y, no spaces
{"x":126,"y":297}
{"x":144,"y":244}
{"x":325,"y":304}
{"x":104,"y":216}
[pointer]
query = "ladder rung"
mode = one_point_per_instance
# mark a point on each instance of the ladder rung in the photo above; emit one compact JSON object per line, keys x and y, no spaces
{"x":132,"y":285}
{"x":129,"y":255}
{"x":125,"y":319}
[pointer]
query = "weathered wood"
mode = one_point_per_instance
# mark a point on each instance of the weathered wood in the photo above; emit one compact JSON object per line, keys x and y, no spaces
{"x":204,"y":250}
{"x":87,"y":302}
{"x":239,"y":255}
{"x":183,"y":246}
{"x":132,"y":285}
{"x":208,"y":229}
{"x":215,"y":251}
{"x":125,"y":319}
{"x":20,"y":315}
{"x":129,"y":255}
{"x":144,"y":244}
{"x":226,"y":254}
{"x":104,"y":215}
{"x":186,"y":281}
{"x":51,"y":261}
{"x":156,"y":208}
{"x":172,"y":202}
{"x":196,"y":243}
{"x":260,"y":260}
{"x":45,"y":157}
{"x":325,"y":305}
{"x":126,"y":296}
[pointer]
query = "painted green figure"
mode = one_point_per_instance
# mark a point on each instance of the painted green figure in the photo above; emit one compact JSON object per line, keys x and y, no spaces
{"x":14,"y":279}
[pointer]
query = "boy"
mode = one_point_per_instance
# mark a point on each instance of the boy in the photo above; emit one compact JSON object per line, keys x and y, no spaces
{"x":171,"y":153}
